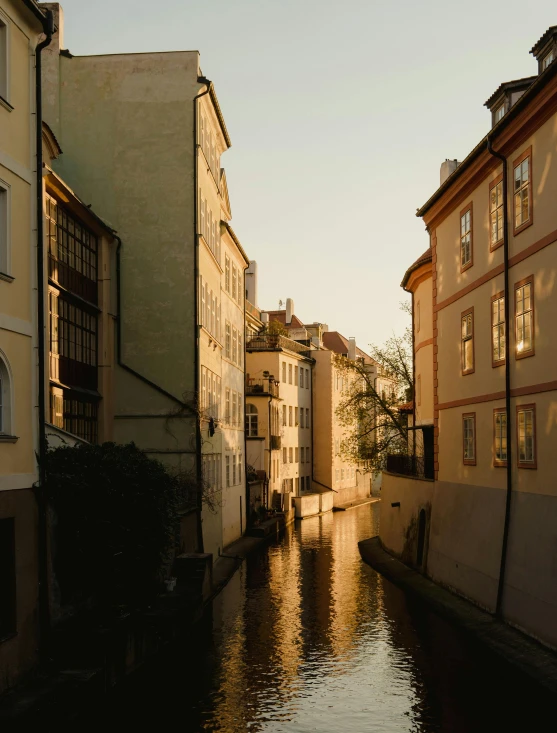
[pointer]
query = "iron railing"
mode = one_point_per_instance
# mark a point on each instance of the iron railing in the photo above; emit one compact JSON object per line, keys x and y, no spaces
{"x":262,"y":387}
{"x":408,"y":465}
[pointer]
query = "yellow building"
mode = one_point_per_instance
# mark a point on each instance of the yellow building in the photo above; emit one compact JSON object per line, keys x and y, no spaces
{"x":489,"y":519}
{"x":142,"y":136}
{"x":22,"y":27}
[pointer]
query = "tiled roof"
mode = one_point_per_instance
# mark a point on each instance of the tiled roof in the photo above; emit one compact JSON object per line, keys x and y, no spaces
{"x":422,"y":259}
{"x":537,"y":47}
{"x":406,"y":407}
{"x":510,"y":85}
{"x":280,"y":316}
{"x":335,"y":341}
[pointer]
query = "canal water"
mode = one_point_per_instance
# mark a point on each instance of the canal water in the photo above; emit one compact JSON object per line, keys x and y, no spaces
{"x":306,"y":637}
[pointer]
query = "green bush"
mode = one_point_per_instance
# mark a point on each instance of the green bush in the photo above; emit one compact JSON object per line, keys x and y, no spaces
{"x":116,"y":513}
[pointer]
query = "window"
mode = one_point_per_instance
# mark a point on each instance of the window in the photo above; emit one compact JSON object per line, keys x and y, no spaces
{"x":307,"y":455}
{"x":418,"y":318}
{"x":498,"y":329}
{"x":466,"y":244}
{"x":296,"y":455}
{"x":284,"y":415}
{"x":228,"y":340}
{"x":290,"y":374}
{"x":496,"y":212}
{"x":234,"y":282}
{"x":4,"y":61}
{"x":284,"y":456}
{"x":336,"y":474}
{"x":227,"y":469}
{"x":301,"y":377}
{"x":467,"y":341}
{"x":522,"y":200}
{"x":251,"y":421}
{"x":307,"y":378}
{"x":524,"y":317}
{"x":233,"y":469}
{"x":234,"y":346}
{"x":296,"y":376}
{"x":290,"y":416}
{"x":307,"y":417}
{"x":297,"y":485}
{"x":227,"y":273}
{"x":419,"y":389}
{"x":240,"y":285}
{"x":302,"y":483}
{"x":5,"y":399}
{"x":526,"y":435}
{"x":5,"y":265}
{"x":73,"y":343}
{"x":7,"y":577}
{"x":469,"y":438}
{"x":499,"y":437}
{"x":302,"y":455}
{"x":284,"y":373}
{"x":290,"y":455}
{"x":227,"y":404}
{"x":234,"y":408}
{"x":296,"y":417}
{"x":239,"y":468}
{"x":240,"y":348}
{"x":80,"y":416}
{"x":499,"y":113}
{"x":547,"y":59}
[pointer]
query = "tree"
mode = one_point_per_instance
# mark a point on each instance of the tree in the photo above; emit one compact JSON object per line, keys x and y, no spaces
{"x":373,"y":392}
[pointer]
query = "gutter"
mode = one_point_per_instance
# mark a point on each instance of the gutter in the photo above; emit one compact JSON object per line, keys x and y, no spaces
{"x":198,"y":442}
{"x":506,"y":526}
{"x":47,"y":22}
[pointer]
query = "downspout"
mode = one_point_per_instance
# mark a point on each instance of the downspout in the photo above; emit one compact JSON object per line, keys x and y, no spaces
{"x":414,"y":397}
{"x":198,"y":466}
{"x":44,"y":602}
{"x":506,"y":526}
{"x":270,"y":445}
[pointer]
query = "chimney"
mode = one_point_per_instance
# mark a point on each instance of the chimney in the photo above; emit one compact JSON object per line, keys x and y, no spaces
{"x":352,"y":348}
{"x":251,"y":283}
{"x":448,"y":167}
{"x":289,"y":310}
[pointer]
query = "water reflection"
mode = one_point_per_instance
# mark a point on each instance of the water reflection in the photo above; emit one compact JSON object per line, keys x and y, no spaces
{"x":306,"y":637}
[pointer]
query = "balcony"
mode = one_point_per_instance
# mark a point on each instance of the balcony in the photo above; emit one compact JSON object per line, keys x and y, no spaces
{"x":262,"y":387}
{"x":274,"y":342}
{"x":407,"y":465}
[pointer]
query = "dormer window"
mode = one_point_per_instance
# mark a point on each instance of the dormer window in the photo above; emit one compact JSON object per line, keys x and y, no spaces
{"x":547,"y":59}
{"x":498,"y":114}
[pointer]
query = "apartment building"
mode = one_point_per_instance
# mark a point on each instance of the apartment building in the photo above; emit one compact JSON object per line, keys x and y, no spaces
{"x":488,"y":520}
{"x":143,"y":145}
{"x":80,"y":267}
{"x":21,"y":30}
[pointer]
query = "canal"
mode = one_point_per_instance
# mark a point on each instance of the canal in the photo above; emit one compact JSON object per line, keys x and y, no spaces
{"x":306,"y":637}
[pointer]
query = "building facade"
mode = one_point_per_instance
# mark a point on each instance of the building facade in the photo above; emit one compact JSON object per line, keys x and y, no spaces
{"x":21,"y":29}
{"x":492,"y":510}
{"x":155,"y":150}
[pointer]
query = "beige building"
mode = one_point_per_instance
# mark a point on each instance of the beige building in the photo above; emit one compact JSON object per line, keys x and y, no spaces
{"x":486,"y":526}
{"x":142,"y":145}
{"x":22,"y":27}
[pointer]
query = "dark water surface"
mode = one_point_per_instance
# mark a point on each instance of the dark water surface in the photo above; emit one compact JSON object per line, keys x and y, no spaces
{"x":306,"y":637}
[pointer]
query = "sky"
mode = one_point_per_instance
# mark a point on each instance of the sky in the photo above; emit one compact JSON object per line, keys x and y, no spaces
{"x":340,"y":114}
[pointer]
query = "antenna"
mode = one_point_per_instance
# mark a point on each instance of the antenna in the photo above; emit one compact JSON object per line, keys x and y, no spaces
{"x":280,"y":305}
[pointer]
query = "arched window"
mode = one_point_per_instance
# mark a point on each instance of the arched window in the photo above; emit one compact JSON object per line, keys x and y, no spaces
{"x":251,"y":421}
{"x":6,"y":427}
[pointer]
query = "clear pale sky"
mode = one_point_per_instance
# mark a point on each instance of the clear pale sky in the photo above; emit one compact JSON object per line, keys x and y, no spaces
{"x":340,"y":114}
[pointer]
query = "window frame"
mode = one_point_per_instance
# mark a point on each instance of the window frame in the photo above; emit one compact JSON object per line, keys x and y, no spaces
{"x":494,"y":183}
{"x":5,"y":231}
{"x":7,"y":428}
{"x":494,"y":298}
{"x":520,"y":284}
{"x":5,"y":86}
{"x":466,"y":372}
{"x":252,"y":421}
{"x":518,"y":161}
{"x":467,"y":209}
{"x":527,"y":464}
{"x":498,"y":462}
{"x":469,"y":461}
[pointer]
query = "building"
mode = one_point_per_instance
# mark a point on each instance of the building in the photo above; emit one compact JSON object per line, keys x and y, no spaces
{"x":80,"y":264}
{"x":22,"y":27}
{"x":485,"y":526}
{"x":143,"y":145}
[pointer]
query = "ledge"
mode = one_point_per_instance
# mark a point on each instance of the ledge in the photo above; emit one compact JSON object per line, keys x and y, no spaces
{"x":8,"y":438}
{"x":4,"y":103}
{"x":7,"y":278}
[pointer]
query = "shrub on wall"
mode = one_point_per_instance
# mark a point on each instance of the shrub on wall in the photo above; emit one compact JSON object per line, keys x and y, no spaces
{"x":116,"y":512}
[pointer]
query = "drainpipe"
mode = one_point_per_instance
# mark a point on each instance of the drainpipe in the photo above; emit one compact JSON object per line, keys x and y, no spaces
{"x":198,"y":467}
{"x":506,"y":526}
{"x":413,"y":385}
{"x":44,"y":601}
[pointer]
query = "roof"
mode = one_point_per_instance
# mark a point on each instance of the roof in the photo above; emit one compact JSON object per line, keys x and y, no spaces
{"x":44,"y":18}
{"x":540,"y":43}
{"x":406,"y":407}
{"x":514,"y":111}
{"x":235,"y":240}
{"x":335,"y":341}
{"x":509,"y":86}
{"x":280,"y":316}
{"x":216,"y":105}
{"x":50,"y":138}
{"x":422,"y":260}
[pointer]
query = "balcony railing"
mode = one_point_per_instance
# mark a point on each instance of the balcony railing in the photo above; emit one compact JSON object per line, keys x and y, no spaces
{"x":408,"y":465}
{"x":273,"y":341}
{"x":262,"y":387}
